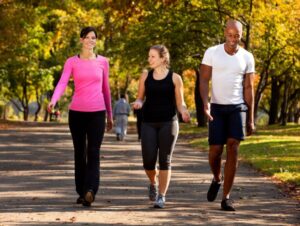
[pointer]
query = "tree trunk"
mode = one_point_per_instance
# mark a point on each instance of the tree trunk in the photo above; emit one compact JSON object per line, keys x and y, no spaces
{"x":294,"y":107}
{"x":260,"y":89}
{"x":275,"y":95}
{"x":24,"y":101}
{"x":25,"y":113}
{"x":297,"y":116}
{"x":201,"y":118}
{"x":247,"y":41}
{"x":36,"y":114}
{"x":46,"y":116}
{"x":5,"y":112}
{"x":284,"y":105}
{"x":290,"y":115}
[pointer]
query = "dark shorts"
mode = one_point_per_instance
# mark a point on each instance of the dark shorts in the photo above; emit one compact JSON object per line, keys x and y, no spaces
{"x":229,"y":122}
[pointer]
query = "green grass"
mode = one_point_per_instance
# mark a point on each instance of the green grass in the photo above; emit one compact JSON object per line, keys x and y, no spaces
{"x":274,"y":150}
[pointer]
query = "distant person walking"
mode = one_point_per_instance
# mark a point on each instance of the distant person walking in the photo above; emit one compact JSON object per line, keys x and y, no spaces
{"x":87,"y":112}
{"x":121,"y":113}
{"x":162,"y":91}
{"x":231,"y":69}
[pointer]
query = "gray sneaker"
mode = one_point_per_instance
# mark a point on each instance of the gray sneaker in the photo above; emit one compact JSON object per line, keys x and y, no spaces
{"x":152,"y":189}
{"x":160,"y":201}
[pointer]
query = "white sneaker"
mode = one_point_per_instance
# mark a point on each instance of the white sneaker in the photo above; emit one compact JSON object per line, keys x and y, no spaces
{"x":160,"y":201}
{"x":152,"y":189}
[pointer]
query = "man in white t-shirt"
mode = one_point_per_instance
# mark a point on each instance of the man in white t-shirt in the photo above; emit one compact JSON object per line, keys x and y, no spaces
{"x":230,"y":111}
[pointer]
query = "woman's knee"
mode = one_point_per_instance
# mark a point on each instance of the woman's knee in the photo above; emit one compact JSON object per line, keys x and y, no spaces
{"x":149,"y":167}
{"x":165,"y":164}
{"x":149,"y":164}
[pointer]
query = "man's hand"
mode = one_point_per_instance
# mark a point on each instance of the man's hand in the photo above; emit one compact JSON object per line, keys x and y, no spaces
{"x":250,"y":128}
{"x":207,"y":111}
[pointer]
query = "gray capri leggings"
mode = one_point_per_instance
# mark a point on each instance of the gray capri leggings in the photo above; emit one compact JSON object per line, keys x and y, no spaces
{"x":158,"y":138}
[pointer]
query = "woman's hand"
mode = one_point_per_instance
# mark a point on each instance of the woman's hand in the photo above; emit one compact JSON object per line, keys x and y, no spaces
{"x":109,"y":124}
{"x":138,"y":104}
{"x":185,"y":114}
{"x":50,"y":107}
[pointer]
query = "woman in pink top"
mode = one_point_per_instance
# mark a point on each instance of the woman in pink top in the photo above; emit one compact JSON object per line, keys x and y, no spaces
{"x":91,"y":102}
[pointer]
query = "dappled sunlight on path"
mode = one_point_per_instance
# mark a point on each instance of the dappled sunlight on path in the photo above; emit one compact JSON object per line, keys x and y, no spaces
{"x":37,"y":186}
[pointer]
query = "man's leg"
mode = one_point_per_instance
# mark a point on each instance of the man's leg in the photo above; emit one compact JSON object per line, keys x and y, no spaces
{"x":118,"y":127}
{"x":236,"y":133}
{"x":215,"y":155}
{"x":231,"y":164}
{"x":217,"y":139}
{"x":124,"y":126}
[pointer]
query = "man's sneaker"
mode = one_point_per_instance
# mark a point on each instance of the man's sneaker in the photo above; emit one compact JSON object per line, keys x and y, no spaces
{"x":213,"y":190}
{"x":152,"y":189}
{"x":227,"y":205}
{"x":160,"y":201}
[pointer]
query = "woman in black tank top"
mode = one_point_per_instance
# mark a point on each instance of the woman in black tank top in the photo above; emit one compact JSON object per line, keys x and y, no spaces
{"x":160,"y":96}
{"x":160,"y":105}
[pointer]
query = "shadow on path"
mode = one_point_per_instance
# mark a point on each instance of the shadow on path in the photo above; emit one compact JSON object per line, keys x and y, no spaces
{"x":37,"y":186}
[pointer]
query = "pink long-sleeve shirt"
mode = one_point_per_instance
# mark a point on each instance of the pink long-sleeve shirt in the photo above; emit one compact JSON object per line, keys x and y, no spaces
{"x":92,"y":92}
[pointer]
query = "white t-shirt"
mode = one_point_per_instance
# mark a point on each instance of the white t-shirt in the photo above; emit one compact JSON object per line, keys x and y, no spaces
{"x":228,"y":73}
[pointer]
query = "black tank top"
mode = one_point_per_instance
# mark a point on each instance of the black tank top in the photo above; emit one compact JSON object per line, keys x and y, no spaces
{"x":160,"y":104}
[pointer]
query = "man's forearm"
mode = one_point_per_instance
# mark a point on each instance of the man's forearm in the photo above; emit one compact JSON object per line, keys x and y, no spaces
{"x":249,"y":99}
{"x":205,"y":76}
{"x":204,"y":91}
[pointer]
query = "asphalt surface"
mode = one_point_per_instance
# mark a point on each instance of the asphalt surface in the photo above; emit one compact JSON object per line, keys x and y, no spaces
{"x":37,"y":186}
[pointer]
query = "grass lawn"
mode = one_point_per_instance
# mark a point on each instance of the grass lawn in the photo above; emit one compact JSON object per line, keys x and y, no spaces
{"x":274,"y":150}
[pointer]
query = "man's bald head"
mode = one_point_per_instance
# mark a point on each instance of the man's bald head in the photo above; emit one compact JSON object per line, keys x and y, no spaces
{"x":234,"y":24}
{"x":233,"y":34}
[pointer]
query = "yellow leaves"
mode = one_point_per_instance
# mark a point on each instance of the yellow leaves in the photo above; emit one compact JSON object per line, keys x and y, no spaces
{"x":274,"y":25}
{"x":189,"y":79}
{"x":196,"y":3}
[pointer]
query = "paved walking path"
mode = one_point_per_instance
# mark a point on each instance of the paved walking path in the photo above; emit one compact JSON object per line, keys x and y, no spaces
{"x":37,"y":186}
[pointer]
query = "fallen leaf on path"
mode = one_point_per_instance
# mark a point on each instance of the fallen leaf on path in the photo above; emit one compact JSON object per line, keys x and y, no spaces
{"x":73,"y":219}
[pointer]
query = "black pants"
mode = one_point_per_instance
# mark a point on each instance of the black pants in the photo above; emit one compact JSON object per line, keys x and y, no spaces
{"x":158,"y":140}
{"x":87,"y":129}
{"x":139,"y":118}
{"x":139,"y":127}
